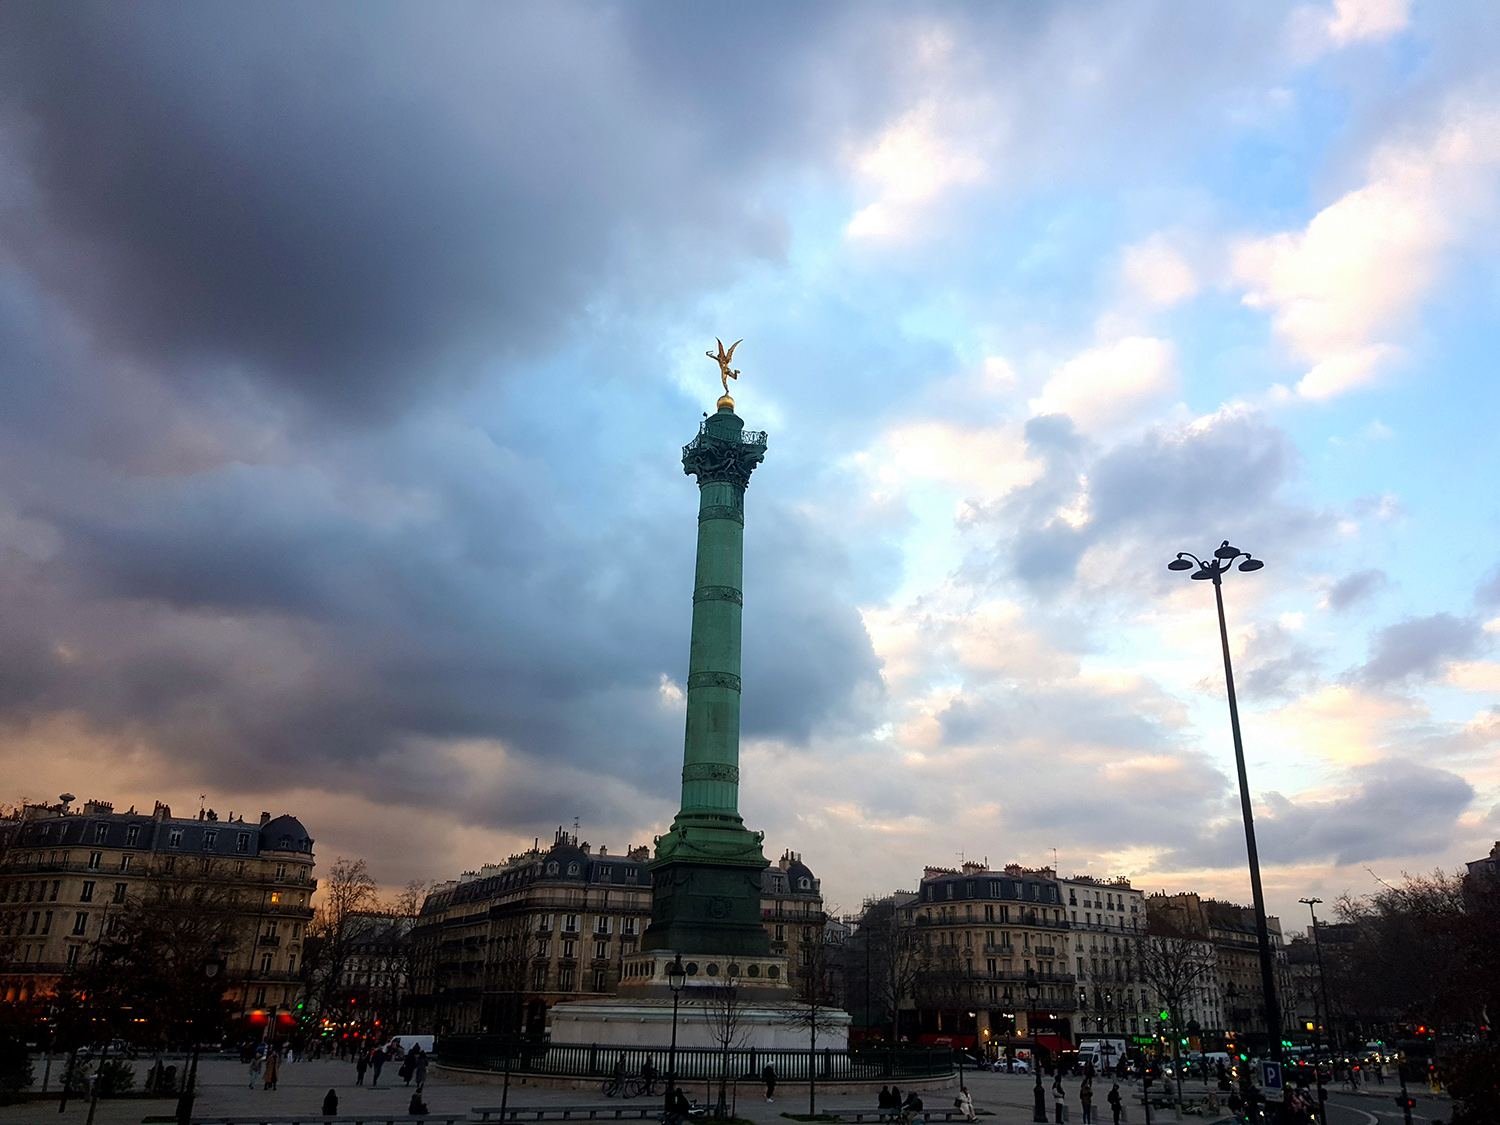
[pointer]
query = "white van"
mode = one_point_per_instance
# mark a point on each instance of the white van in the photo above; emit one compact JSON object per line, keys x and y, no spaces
{"x":1104,"y":1053}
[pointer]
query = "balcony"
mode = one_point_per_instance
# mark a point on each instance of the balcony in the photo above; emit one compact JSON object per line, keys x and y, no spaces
{"x":1002,"y":950}
{"x":1044,"y":951}
{"x":270,"y":939}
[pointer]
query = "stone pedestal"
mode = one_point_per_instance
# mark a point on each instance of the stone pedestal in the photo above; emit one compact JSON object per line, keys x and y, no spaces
{"x":761,"y":1021}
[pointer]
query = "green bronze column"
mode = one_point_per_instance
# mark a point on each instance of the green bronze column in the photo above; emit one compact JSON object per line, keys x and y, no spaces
{"x":706,"y":875}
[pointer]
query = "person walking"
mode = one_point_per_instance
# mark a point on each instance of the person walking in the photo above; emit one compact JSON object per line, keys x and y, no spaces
{"x":1059,"y":1099}
{"x":377,"y":1061}
{"x":1086,"y":1100}
{"x":273,"y":1069}
{"x":255,"y":1064}
{"x":361,"y":1064}
{"x":965,"y":1103}
{"x":331,"y":1104}
{"x":1115,"y":1102}
{"x":421,"y":1070}
{"x":769,"y":1076}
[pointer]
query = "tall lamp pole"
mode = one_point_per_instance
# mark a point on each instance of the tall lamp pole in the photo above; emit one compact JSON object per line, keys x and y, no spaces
{"x":676,"y":978}
{"x":1310,"y":903}
{"x":1213,"y":570}
{"x":1039,"y":1096}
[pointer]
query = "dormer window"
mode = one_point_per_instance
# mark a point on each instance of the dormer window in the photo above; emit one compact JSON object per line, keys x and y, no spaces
{"x":572,"y":869}
{"x":552,"y":868}
{"x":285,"y":844}
{"x":804,"y":883}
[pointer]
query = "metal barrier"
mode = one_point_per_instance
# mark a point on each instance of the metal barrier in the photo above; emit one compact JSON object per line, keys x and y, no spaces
{"x":598,"y":1060}
{"x":355,"y":1119}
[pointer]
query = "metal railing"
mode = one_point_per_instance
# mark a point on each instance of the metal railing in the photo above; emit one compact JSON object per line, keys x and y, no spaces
{"x":598,"y":1060}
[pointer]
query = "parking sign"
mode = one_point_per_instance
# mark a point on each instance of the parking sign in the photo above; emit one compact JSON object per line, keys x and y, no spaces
{"x":1270,"y":1077}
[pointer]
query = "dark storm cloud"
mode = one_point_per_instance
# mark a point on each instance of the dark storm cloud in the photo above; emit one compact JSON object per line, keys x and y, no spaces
{"x":1418,"y":647}
{"x":1398,"y":809}
{"x":1353,"y":589}
{"x":1172,"y":488}
{"x":352,"y":200}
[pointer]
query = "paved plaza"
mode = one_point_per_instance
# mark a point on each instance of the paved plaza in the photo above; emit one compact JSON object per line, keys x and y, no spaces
{"x":1004,"y":1099}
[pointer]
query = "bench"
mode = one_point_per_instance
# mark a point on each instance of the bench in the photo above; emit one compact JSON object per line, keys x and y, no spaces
{"x":886,"y":1116}
{"x":447,"y":1118}
{"x":647,"y":1107}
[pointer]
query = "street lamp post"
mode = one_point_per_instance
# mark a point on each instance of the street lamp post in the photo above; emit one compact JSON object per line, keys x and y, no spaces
{"x":676,"y":978}
{"x":1311,"y":903}
{"x":212,"y":968}
{"x":1039,"y":1095}
{"x":1213,"y":571}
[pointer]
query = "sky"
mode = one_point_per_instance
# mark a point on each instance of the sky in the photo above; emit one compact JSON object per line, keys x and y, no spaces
{"x":347,"y":351}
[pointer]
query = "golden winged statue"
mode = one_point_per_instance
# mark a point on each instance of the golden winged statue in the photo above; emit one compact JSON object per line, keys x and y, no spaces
{"x":726,"y":372}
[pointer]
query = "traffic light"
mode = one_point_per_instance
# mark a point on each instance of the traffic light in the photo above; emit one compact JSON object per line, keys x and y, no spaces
{"x":1406,"y":1103}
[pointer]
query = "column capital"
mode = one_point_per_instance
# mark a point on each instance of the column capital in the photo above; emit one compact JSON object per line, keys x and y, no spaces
{"x":724,"y":452}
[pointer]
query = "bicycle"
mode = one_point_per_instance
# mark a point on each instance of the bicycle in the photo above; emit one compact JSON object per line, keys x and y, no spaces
{"x":613,"y":1086}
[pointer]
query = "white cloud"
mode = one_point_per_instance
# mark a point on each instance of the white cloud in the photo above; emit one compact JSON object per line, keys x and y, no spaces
{"x":1356,"y":20}
{"x":1156,"y":271}
{"x":1108,"y":385}
{"x":912,"y":162}
{"x":1339,"y":289}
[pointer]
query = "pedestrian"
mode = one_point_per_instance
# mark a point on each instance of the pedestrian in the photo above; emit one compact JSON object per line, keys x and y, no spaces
{"x":648,"y":1074}
{"x":1115,"y":1102}
{"x":273,"y":1069}
{"x":884,"y":1100}
{"x":895,"y":1097}
{"x":1059,"y":1099}
{"x":965,"y":1103}
{"x":911,"y":1109}
{"x":377,"y":1061}
{"x":331,"y":1104}
{"x":255,"y":1065}
{"x":361,"y":1064}
{"x":421,"y":1070}
{"x":416,"y":1107}
{"x":1086,"y":1100}
{"x":769,"y":1076}
{"x":408,"y":1069}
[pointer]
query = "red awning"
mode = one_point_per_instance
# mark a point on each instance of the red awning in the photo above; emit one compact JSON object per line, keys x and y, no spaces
{"x":1054,"y":1043}
{"x":949,"y":1040}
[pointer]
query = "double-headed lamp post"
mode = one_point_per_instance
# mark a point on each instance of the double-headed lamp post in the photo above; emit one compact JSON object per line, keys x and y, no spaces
{"x":1213,"y":570}
{"x":1311,"y":903}
{"x":676,"y":978}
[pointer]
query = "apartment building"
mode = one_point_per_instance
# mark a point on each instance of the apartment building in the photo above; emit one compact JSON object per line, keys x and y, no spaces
{"x":65,"y":872}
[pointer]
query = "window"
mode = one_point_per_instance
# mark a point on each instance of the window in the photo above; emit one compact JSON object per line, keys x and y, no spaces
{"x":119,"y":892}
{"x":56,"y":886}
{"x":601,"y":980}
{"x":291,"y":963}
{"x":570,"y":949}
{"x":125,"y":862}
{"x":36,"y":920}
{"x":780,"y":933}
{"x":990,"y":964}
{"x":100,"y":831}
{"x":280,"y":872}
{"x":627,"y":925}
{"x":239,"y":868}
{"x":539,"y":976}
{"x":989,"y":913}
{"x":87,"y":894}
{"x":169,"y":864}
{"x":630,"y":874}
{"x":175,"y":839}
{"x":570,"y":923}
{"x":132,"y":835}
{"x":275,"y":898}
{"x":552,"y":868}
{"x":80,"y":923}
{"x":296,"y":930}
{"x":541,"y":947}
{"x":601,"y":950}
{"x":47,"y":922}
{"x":95,"y":860}
{"x":572,"y":869}
{"x":565,"y":978}
{"x":601,"y":925}
{"x":265,"y":962}
{"x":242,"y":844}
{"x":73,"y":955}
{"x":604,"y":872}
{"x":210,"y":838}
{"x":1072,"y":897}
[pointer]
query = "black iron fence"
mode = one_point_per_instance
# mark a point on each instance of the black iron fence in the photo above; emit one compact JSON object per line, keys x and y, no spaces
{"x":598,"y":1060}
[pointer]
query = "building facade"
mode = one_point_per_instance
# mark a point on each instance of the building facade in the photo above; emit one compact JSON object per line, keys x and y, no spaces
{"x":511,"y":940}
{"x":1106,"y":918}
{"x":65,"y":872}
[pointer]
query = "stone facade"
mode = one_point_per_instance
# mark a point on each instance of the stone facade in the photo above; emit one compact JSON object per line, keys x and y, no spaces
{"x":65,"y":870}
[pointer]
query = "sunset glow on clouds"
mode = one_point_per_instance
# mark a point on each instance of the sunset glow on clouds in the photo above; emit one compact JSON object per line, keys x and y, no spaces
{"x":347,"y":353}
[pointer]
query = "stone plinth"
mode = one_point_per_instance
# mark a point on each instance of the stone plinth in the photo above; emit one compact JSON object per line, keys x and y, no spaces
{"x":760,"y":1022}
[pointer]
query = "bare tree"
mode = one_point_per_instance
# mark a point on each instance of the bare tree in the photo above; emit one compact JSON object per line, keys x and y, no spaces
{"x":347,"y":889}
{"x":818,"y":997}
{"x":1178,"y":970}
{"x":896,"y":955}
{"x":724,"y":1010}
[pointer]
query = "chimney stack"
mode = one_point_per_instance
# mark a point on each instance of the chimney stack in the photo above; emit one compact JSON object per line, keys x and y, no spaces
{"x":265,"y":818}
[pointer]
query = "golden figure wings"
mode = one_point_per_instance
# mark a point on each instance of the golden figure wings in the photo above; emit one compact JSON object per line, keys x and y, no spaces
{"x":726,"y":373}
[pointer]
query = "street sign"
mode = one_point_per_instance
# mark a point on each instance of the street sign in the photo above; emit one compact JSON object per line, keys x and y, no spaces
{"x":1270,"y":1077}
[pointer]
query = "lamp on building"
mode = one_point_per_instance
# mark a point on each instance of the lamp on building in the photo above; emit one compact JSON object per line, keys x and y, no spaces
{"x":1039,"y":1095}
{"x":676,"y":978}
